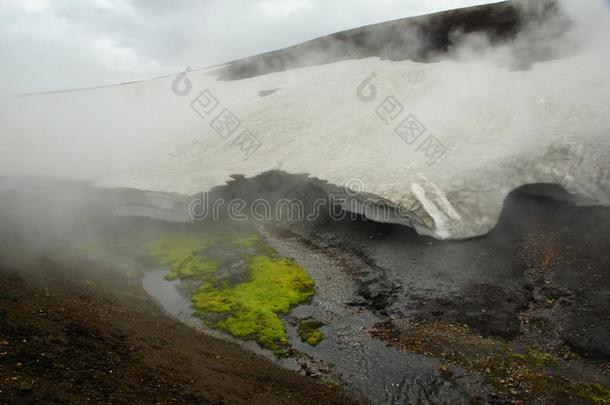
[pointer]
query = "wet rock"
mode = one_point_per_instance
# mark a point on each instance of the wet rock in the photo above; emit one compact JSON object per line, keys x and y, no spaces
{"x":378,"y":293}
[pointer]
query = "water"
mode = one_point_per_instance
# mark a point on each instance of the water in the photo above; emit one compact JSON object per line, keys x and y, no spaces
{"x":381,"y":373}
{"x":367,"y":365}
{"x":173,"y":297}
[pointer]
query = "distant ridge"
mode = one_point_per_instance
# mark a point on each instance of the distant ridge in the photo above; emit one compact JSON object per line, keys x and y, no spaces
{"x":421,"y":38}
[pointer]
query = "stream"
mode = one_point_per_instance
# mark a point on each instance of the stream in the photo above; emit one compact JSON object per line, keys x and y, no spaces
{"x":348,"y":353}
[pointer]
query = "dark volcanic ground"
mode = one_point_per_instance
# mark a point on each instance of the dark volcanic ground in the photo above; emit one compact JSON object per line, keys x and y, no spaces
{"x":525,"y":306}
{"x":80,"y":333}
{"x":544,"y":257}
{"x":520,"y":314}
{"x":534,"y":291}
{"x":74,"y":329}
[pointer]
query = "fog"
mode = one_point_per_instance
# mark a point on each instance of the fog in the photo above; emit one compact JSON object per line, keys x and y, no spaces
{"x":490,"y":102}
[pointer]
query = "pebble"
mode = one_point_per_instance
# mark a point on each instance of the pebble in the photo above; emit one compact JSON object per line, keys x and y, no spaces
{"x":26,"y":386}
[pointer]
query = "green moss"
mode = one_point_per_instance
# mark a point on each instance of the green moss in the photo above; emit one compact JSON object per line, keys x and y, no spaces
{"x":593,"y":392}
{"x":252,"y":308}
{"x":309,"y":332}
{"x":534,"y":358}
{"x":315,"y":338}
{"x":184,"y":257}
{"x":512,"y":370}
{"x":520,"y":357}
{"x":247,"y":240}
{"x":247,"y":304}
{"x":540,"y":358}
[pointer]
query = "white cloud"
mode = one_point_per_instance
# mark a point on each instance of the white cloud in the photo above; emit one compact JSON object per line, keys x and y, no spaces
{"x":283,"y":8}
{"x":123,"y":59}
{"x":33,"y":5}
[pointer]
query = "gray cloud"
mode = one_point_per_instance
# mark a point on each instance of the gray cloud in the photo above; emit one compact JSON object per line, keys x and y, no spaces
{"x":58,"y":44}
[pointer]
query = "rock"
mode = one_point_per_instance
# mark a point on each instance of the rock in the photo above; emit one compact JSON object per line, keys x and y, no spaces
{"x":26,"y":386}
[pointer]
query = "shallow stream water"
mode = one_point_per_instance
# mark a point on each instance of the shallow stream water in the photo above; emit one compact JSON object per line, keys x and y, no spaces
{"x":348,"y":353}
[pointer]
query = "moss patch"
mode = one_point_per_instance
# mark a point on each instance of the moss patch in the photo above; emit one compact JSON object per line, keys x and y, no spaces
{"x":184,"y":257}
{"x":244,"y":287}
{"x":252,"y":307}
{"x":309,"y":331}
{"x":516,"y":373}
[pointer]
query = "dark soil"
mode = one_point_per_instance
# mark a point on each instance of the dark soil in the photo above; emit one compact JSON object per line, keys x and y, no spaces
{"x":546,"y":259}
{"x":525,"y":307}
{"x":76,"y":326}
{"x":72,"y":332}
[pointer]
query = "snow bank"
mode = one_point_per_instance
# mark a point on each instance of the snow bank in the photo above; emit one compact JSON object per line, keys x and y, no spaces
{"x":498,"y":129}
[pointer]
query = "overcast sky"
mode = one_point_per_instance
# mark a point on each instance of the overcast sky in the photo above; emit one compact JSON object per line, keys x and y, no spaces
{"x":60,"y":44}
